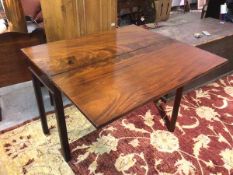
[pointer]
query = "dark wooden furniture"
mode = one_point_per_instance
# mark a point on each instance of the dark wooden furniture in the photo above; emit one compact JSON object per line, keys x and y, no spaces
{"x":13,"y":66}
{"x":213,"y":8}
{"x":109,"y":74}
{"x":220,"y":42}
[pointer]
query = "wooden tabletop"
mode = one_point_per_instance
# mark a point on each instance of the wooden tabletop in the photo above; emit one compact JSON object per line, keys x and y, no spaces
{"x":114,"y":72}
{"x":62,"y":56}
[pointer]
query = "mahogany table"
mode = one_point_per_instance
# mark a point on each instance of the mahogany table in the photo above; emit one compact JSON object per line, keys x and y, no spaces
{"x":109,"y":74}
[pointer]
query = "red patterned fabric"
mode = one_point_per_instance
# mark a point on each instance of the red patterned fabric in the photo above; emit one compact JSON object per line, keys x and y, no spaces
{"x":140,"y":143}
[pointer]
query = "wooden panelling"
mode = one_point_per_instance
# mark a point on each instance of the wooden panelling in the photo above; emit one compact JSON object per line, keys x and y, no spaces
{"x":99,"y":15}
{"x":66,"y":19}
{"x":70,"y":18}
{"x":15,"y":15}
{"x":52,"y":13}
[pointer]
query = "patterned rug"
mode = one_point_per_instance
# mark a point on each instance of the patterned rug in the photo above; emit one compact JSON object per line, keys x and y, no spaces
{"x":138,"y":144}
{"x":25,"y":150}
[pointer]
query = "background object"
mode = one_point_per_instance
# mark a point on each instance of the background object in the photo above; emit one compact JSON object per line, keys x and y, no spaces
{"x":1,"y":6}
{"x":138,"y":12}
{"x":181,"y":2}
{"x":162,"y":8}
{"x":31,"y":7}
{"x":201,"y":3}
{"x":213,"y":9}
{"x":15,"y":15}
{"x":3,"y":26}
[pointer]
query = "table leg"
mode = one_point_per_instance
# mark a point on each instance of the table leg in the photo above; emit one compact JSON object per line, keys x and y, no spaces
{"x":40,"y":103}
{"x":176,"y":107}
{"x":61,"y":123}
{"x":51,"y":98}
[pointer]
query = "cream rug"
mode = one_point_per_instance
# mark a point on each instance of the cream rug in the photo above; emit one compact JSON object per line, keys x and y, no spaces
{"x":26,"y":150}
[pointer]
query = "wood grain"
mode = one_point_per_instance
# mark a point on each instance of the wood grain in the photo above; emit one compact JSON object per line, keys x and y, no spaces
{"x":114,"y":72}
{"x":58,"y":57}
{"x":66,"y":19}
{"x":52,"y":19}
{"x":99,"y":15}
{"x":107,"y":91}
{"x":15,"y":15}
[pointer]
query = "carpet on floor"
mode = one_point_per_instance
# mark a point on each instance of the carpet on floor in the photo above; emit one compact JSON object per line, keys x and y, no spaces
{"x":139,"y":143}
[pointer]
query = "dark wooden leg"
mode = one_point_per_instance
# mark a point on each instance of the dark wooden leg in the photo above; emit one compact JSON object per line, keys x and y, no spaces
{"x":51,"y":98}
{"x":61,"y":123}
{"x":176,"y":107}
{"x":40,"y":103}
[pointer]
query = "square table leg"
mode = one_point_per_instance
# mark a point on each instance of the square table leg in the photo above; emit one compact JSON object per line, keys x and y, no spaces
{"x":40,"y":103}
{"x":51,"y":98}
{"x":171,"y":123}
{"x":176,"y":107}
{"x":61,"y":123}
{"x":56,"y":97}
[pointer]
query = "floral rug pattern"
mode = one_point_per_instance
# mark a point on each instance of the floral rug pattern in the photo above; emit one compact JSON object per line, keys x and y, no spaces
{"x":139,"y":143}
{"x":27,"y":151}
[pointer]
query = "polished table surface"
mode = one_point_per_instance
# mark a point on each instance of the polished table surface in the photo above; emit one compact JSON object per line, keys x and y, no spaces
{"x":109,"y":74}
{"x":62,"y":56}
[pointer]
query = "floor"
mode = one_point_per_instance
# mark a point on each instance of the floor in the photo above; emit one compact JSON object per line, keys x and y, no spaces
{"x":18,"y":104}
{"x":18,"y":101}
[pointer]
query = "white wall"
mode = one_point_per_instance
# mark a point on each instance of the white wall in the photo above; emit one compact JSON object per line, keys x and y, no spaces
{"x":181,"y":2}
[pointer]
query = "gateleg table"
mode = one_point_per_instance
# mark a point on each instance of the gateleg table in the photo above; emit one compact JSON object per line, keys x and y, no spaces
{"x":109,"y":74}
